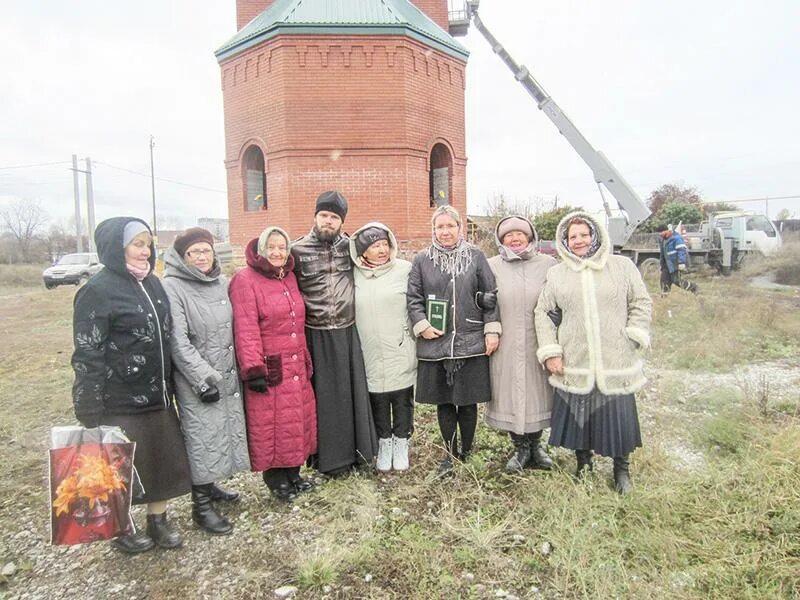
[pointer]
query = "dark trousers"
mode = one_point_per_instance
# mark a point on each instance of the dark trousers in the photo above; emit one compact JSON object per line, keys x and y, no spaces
{"x":274,"y":478}
{"x":393,"y":413}
{"x":465,"y":418}
{"x":669,"y":279}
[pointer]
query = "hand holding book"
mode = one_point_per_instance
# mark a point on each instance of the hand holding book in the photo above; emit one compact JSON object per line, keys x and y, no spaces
{"x":431,"y":333}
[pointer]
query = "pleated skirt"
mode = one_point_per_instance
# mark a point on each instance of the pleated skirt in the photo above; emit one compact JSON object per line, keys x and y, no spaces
{"x":607,"y":425}
{"x":466,"y":384}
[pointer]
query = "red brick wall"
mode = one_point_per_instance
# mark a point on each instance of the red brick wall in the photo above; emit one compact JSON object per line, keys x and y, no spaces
{"x":436,"y":10}
{"x":355,"y":114}
{"x":247,"y":9}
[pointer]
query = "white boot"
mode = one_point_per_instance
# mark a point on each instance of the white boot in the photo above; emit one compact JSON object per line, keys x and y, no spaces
{"x":400,"y":454}
{"x":384,"y":462}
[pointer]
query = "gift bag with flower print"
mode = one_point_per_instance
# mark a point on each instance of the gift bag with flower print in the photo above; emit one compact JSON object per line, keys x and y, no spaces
{"x":92,"y":481}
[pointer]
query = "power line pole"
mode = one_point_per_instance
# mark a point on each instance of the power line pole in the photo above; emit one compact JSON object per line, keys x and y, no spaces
{"x":77,"y":194}
{"x":90,"y":203}
{"x":153,"y":185}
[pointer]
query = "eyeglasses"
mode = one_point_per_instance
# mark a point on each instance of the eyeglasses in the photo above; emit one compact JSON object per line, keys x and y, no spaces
{"x":199,"y":253}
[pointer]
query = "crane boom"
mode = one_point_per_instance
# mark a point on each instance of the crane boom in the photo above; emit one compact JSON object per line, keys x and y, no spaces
{"x":634,"y":209}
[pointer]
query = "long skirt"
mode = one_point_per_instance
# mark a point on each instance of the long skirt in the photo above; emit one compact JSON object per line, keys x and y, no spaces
{"x":160,"y":457}
{"x":461,"y":382}
{"x":608,"y":425}
{"x":345,"y":429}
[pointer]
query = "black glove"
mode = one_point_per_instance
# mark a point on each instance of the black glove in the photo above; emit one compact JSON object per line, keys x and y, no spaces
{"x":486,"y":300}
{"x":259,"y":384}
{"x":209,"y":394}
{"x":555,"y":316}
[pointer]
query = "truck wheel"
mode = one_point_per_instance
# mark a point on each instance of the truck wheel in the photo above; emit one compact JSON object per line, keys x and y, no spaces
{"x":49,"y":286}
{"x":82,"y":279}
{"x":650,"y":267}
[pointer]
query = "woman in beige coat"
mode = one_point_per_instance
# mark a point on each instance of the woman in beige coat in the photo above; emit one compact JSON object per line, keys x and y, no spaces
{"x":521,"y":396}
{"x":594,"y":355}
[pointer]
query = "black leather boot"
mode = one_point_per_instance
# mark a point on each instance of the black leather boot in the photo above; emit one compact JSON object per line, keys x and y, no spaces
{"x":220,"y":494}
{"x":135,"y":543}
{"x":584,"y":459}
{"x":163,"y":535}
{"x":280,"y":487}
{"x":522,"y":453}
{"x":203,"y":513}
{"x":622,"y":475}
{"x":285,"y":492}
{"x":299,"y":484}
{"x":538,"y":457}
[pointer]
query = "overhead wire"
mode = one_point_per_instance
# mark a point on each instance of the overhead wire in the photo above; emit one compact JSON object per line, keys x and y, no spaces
{"x":46,"y":164}
{"x":165,"y":179}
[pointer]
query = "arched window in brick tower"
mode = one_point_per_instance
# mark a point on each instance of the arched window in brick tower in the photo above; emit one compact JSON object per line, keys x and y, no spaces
{"x":255,"y":179}
{"x":441,"y":174}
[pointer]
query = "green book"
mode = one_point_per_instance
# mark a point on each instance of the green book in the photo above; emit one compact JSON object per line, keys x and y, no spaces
{"x":436,"y":311}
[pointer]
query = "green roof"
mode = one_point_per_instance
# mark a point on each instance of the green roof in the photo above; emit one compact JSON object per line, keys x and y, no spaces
{"x":343,"y":17}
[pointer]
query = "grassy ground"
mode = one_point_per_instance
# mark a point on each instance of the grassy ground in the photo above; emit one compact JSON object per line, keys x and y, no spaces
{"x":715,"y":512}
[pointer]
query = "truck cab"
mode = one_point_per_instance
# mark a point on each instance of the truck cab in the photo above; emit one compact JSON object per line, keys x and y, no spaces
{"x":751,"y":232}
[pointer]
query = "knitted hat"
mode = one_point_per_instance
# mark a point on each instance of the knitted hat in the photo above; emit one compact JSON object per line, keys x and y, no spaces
{"x":191,"y":236}
{"x":368,"y":237}
{"x":132,"y":229}
{"x":514,"y":224}
{"x":332,"y":202}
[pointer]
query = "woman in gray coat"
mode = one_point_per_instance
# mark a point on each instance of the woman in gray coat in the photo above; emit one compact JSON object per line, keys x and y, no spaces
{"x":206,"y":380}
{"x":521,"y":396}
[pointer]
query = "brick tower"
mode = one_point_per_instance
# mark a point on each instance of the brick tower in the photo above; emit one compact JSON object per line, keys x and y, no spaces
{"x":362,"y":96}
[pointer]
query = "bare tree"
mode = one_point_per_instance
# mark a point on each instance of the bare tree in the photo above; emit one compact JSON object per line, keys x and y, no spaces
{"x":23,"y":219}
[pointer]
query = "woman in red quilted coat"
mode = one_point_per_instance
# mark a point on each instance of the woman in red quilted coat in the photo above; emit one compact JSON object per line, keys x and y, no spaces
{"x":269,"y":335}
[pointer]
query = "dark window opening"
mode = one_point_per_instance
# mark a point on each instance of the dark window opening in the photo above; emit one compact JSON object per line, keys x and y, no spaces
{"x":440,"y":178}
{"x":255,"y":180}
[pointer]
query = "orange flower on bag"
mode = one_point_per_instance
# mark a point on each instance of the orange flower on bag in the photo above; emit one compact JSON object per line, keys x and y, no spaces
{"x":90,"y":483}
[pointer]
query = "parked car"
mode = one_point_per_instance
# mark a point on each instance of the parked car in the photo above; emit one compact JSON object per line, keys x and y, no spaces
{"x":74,"y":269}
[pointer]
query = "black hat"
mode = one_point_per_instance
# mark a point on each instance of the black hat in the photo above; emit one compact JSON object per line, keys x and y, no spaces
{"x":369,"y":236}
{"x":332,"y":202}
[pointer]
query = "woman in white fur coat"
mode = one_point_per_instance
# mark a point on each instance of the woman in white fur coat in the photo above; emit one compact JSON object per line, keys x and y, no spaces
{"x":594,"y":355}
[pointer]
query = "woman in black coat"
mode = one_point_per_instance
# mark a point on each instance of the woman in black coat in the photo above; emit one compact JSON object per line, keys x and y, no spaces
{"x":453,"y":369}
{"x":122,"y":370}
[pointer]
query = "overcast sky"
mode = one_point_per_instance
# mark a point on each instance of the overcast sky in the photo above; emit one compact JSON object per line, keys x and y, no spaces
{"x":700,"y":93}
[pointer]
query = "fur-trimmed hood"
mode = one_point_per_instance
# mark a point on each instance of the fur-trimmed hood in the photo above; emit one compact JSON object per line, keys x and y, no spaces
{"x":598,"y":260}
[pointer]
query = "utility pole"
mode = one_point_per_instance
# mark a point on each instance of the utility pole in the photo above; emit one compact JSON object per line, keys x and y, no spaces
{"x":77,"y":193}
{"x":90,"y":204}
{"x":153,"y":185}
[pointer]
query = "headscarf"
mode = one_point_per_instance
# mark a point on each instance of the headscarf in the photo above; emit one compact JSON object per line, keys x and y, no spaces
{"x":595,"y":244}
{"x":455,"y":260}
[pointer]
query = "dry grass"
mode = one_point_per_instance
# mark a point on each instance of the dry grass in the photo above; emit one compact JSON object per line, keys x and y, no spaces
{"x":715,"y":512}
{"x":727,"y":324}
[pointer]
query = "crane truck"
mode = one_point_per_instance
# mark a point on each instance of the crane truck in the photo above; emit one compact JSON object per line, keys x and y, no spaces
{"x":721,"y":242}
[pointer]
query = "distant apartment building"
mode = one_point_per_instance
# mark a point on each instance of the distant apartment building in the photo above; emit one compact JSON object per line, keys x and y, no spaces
{"x":218,"y":227}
